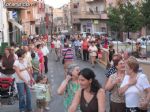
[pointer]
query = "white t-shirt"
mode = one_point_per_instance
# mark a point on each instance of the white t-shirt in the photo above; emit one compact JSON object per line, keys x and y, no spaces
{"x":45,"y":50}
{"x":57,"y":44}
{"x":132,"y":93}
{"x":28,"y":58}
{"x":93,"y":50}
{"x":24,"y":73}
{"x":40,"y":90}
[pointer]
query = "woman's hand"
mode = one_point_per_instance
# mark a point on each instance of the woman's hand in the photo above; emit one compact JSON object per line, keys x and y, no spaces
{"x":118,"y":80}
{"x":68,"y":78}
{"x":144,"y":105}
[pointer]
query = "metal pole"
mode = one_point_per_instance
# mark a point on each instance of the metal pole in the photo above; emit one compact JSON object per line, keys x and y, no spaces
{"x":52,"y":22}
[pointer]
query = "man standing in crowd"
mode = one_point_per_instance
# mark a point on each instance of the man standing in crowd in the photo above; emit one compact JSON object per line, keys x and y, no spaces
{"x":57,"y":45}
{"x":45,"y":53}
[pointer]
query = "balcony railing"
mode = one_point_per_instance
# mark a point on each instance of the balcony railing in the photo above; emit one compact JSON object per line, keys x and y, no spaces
{"x":93,"y":15}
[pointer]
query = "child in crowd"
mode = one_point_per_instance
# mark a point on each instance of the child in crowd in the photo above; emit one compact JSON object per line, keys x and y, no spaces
{"x":40,"y":90}
{"x":35,"y":65}
{"x":48,"y":92}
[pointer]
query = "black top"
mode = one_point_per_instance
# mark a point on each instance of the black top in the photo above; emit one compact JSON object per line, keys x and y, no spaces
{"x":91,"y":106}
{"x":111,"y":53}
{"x":8,"y":62}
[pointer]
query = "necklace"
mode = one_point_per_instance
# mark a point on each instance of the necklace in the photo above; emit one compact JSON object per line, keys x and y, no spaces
{"x":86,"y":104}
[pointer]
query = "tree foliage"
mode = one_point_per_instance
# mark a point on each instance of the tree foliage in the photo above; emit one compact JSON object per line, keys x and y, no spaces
{"x":126,"y":17}
{"x":114,"y":19}
{"x":131,"y":17}
{"x":145,"y":11}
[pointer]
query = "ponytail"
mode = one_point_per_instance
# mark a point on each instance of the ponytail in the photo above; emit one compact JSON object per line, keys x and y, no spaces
{"x":95,"y":86}
{"x":90,"y":75}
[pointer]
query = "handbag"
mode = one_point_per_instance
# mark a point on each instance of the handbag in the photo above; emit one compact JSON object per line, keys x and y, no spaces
{"x":142,"y":98}
{"x":63,"y":60}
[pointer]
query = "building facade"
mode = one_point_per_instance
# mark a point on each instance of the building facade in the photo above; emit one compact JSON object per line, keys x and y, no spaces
{"x":4,"y":37}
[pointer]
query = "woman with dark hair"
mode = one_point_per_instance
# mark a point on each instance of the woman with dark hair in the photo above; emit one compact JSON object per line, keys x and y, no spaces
{"x":91,"y":97}
{"x":23,"y":80}
{"x":117,"y":103}
{"x":7,"y":62}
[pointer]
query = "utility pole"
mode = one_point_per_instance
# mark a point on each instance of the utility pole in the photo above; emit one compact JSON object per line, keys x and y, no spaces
{"x":51,"y":22}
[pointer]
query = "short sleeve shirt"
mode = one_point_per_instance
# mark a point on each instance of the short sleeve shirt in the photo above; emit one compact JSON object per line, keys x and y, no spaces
{"x":115,"y":97}
{"x":133,"y":91}
{"x":24,"y":73}
{"x":110,"y":71}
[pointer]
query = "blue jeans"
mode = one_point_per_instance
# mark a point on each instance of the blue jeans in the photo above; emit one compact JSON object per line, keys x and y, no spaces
{"x":22,"y":90}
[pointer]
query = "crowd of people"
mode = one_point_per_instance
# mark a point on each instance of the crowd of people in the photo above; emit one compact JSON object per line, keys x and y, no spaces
{"x":125,"y":80}
{"x":82,"y":92}
{"x":28,"y":65}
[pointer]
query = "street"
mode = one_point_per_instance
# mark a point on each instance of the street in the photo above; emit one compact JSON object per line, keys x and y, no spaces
{"x":56,"y":75}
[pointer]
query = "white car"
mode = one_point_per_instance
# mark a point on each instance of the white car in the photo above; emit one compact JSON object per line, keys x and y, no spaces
{"x":130,"y":41}
{"x":116,"y":42}
{"x":144,"y":39}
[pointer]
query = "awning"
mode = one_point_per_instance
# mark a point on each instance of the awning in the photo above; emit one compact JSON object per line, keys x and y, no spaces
{"x":16,"y":24}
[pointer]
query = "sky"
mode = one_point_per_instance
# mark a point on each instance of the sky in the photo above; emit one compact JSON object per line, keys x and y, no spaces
{"x":56,"y":3}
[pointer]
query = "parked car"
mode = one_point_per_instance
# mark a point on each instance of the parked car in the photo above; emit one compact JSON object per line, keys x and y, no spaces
{"x":144,"y":39}
{"x":129,"y":41}
{"x":98,"y":34}
{"x":85,"y":34}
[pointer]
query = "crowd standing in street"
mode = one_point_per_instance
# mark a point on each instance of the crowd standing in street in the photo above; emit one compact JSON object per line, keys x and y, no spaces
{"x":28,"y":65}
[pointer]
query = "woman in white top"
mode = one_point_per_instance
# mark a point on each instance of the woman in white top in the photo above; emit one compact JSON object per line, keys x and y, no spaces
{"x":23,"y":80}
{"x":93,"y":53}
{"x":132,"y":86}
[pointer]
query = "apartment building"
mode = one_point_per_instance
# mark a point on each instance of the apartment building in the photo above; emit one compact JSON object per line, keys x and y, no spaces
{"x":75,"y":12}
{"x":4,"y":37}
{"x":14,"y":9}
{"x":93,"y":17}
{"x":58,"y":19}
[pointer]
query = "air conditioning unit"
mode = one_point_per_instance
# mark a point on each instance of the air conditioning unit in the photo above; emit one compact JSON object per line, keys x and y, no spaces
{"x":10,"y":15}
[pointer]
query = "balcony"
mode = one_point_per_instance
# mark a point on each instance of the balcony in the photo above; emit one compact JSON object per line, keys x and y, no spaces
{"x":93,"y":15}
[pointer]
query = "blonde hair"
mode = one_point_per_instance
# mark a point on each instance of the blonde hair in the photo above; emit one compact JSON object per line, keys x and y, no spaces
{"x":133,"y":64}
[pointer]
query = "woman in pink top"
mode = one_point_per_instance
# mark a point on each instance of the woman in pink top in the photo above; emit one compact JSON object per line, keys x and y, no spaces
{"x":41,"y":58}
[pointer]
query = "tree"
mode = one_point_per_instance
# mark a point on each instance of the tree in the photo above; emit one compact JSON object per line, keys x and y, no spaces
{"x":145,"y":11}
{"x":115,"y":22}
{"x":114,"y":19}
{"x":131,"y":17}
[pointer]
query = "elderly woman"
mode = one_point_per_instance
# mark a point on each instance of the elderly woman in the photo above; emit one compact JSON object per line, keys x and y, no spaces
{"x":70,"y":85}
{"x":132,"y":85}
{"x":93,"y":53}
{"x":117,"y":103}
